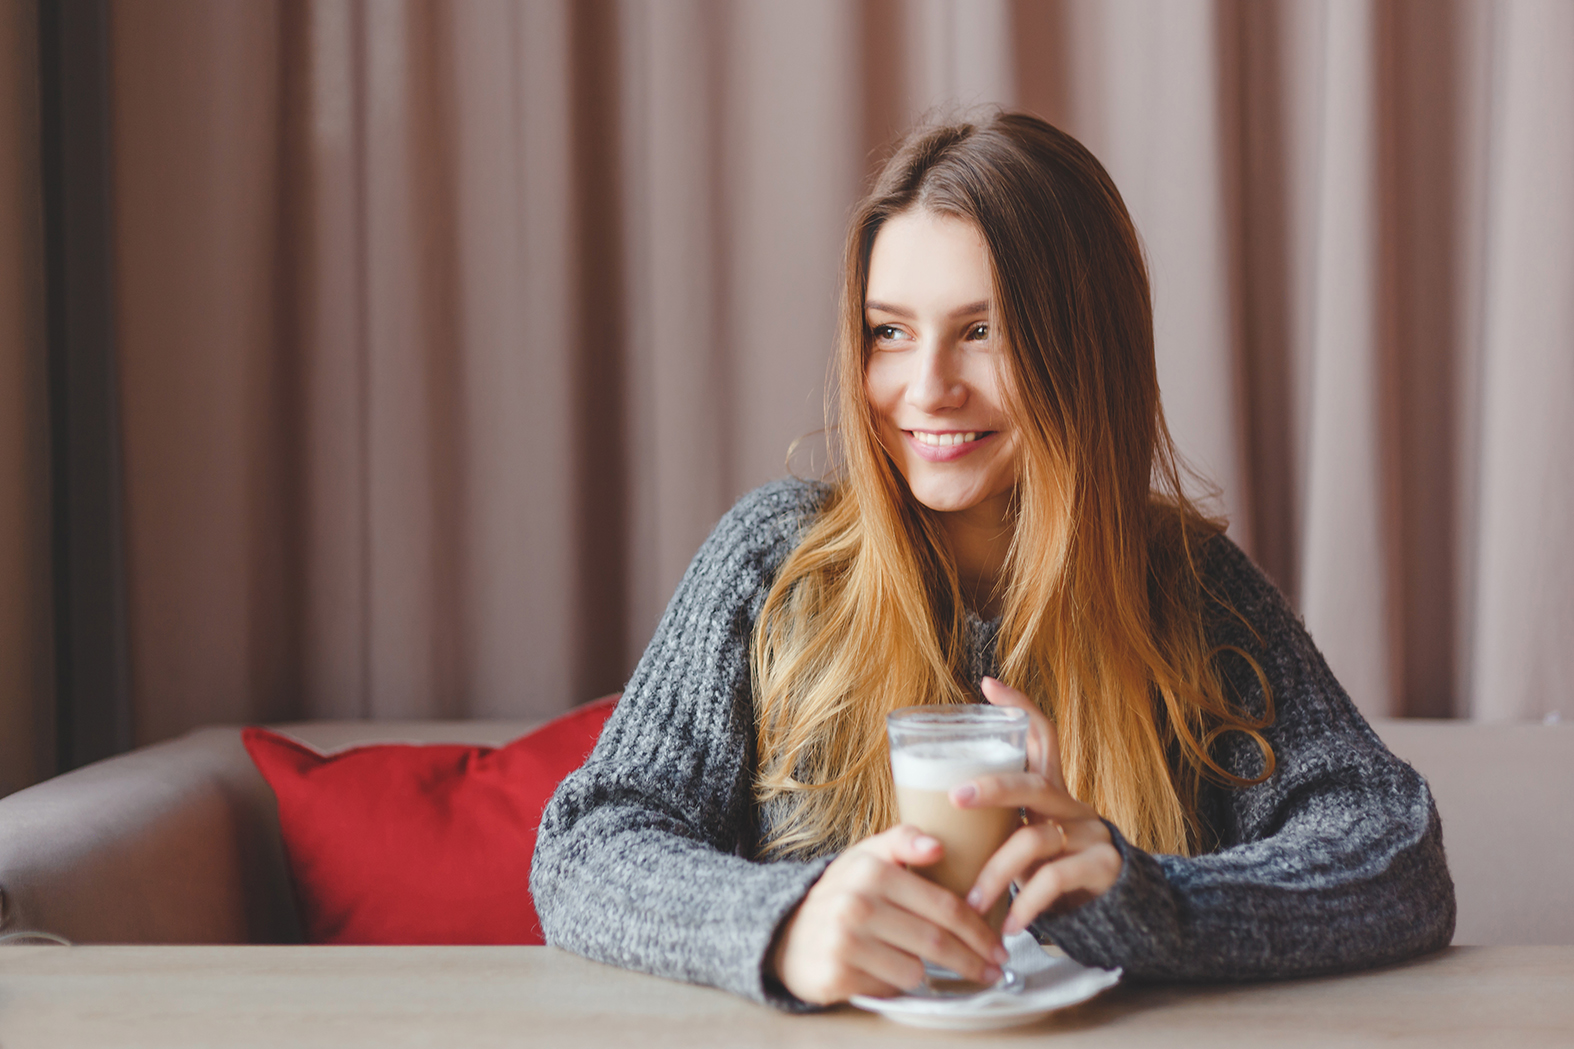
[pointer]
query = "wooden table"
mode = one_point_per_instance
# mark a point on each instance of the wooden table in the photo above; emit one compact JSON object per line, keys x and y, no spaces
{"x":171,"y":997}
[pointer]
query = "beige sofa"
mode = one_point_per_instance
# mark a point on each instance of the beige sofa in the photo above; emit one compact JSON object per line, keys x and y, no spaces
{"x":178,"y":843}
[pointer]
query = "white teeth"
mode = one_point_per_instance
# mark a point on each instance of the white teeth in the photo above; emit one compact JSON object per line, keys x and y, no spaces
{"x":946,"y":440}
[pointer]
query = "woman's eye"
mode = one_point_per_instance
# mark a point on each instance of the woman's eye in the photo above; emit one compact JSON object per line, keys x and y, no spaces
{"x":978,"y":332}
{"x":886,"y":333}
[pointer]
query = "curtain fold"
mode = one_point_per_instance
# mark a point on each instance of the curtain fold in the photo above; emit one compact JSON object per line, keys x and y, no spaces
{"x":1345,"y":584}
{"x":27,"y":739}
{"x":1525,"y":571}
{"x":447,"y":329}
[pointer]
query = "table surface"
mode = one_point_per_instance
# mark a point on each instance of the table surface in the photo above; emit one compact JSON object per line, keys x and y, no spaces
{"x":170,"y":997}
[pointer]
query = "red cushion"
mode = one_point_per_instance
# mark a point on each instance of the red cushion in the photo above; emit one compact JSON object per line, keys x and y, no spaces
{"x":400,"y":843}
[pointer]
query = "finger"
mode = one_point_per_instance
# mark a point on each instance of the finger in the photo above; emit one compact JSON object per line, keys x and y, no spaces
{"x":1043,"y":740}
{"x":855,"y":982}
{"x":1087,"y":873}
{"x":1027,"y":790}
{"x":903,"y":844}
{"x":943,"y":908}
{"x":1021,"y":855}
{"x":827,"y":955}
{"x":874,"y":963}
{"x":846,"y":978}
{"x":916,"y":936}
{"x":1085,"y":834}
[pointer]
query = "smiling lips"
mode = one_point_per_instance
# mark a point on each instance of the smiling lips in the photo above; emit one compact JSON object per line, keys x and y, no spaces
{"x":945,"y":446}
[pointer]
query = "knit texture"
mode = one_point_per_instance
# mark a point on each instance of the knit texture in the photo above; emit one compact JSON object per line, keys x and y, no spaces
{"x":646,"y":856}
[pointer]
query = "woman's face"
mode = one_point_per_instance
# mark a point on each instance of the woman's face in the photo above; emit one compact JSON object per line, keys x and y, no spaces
{"x":936,"y":373}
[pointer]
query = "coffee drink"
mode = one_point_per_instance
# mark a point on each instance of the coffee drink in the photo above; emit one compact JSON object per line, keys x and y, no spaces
{"x":925,"y":773}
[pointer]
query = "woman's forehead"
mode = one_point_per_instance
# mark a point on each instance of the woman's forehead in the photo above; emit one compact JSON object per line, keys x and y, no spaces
{"x":925,"y":261}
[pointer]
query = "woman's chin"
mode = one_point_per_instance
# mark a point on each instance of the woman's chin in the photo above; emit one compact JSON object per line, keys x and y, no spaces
{"x":949,"y":500}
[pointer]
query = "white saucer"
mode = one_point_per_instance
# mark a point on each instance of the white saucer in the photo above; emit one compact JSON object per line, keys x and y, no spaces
{"x":1053,"y":982}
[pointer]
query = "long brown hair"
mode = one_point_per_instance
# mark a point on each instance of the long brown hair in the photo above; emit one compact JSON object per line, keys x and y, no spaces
{"x":1103,"y":604}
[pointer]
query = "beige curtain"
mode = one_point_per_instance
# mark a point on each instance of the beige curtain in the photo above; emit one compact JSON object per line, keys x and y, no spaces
{"x":446,"y":330}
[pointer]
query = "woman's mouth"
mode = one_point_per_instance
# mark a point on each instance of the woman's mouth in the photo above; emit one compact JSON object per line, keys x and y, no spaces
{"x":943,"y":446}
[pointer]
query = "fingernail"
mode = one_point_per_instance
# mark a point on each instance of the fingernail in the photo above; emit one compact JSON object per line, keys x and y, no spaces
{"x":991,"y":974}
{"x":1002,"y":955}
{"x":966,"y":794}
{"x":924,"y":841}
{"x":1011,"y":927}
{"x":975,"y":899}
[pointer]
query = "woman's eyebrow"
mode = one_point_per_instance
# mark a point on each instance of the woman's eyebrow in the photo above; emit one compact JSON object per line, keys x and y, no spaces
{"x":982,"y":306}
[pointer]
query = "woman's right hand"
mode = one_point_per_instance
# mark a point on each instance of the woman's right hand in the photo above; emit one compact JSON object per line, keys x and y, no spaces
{"x":867,"y":923}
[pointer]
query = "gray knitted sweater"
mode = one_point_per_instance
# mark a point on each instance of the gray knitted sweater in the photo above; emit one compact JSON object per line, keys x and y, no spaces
{"x":646,"y":856}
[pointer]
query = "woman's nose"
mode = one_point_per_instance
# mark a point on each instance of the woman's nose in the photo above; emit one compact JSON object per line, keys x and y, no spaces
{"x":934,"y":384}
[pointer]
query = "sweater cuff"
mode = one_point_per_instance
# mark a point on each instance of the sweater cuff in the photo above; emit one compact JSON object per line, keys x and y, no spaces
{"x":1125,"y":924}
{"x":766,"y":988}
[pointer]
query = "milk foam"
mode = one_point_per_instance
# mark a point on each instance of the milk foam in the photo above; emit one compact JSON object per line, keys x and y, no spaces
{"x":941,"y":766}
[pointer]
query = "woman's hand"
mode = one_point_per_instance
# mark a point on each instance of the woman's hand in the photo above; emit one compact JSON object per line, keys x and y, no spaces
{"x":1064,"y":856}
{"x":865,"y":925}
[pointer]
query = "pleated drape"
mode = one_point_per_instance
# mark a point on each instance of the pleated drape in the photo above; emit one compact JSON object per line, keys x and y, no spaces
{"x":26,"y":670}
{"x":1524,"y":570}
{"x":447,"y":329}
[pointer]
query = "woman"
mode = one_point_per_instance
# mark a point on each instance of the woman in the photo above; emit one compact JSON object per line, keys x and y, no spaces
{"x":1203,"y":801}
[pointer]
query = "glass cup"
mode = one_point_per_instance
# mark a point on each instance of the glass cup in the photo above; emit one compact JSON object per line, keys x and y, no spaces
{"x":934,"y":749}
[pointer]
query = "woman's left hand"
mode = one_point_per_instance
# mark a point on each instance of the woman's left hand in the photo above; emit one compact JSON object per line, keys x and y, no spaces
{"x":1064,"y":856}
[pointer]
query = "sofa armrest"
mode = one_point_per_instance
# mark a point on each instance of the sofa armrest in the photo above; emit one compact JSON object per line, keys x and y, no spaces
{"x":176,"y":842}
{"x":173,"y":843}
{"x":1503,"y":792}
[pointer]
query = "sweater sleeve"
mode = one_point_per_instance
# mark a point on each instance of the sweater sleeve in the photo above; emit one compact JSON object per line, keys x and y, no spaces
{"x":644,"y":856}
{"x":1335,"y":862}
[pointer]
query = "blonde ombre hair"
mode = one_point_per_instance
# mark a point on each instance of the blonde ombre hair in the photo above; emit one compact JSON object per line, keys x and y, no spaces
{"x":1102,"y":621}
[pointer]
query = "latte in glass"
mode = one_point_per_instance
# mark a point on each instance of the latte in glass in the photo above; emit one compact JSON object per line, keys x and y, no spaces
{"x":934,"y":749}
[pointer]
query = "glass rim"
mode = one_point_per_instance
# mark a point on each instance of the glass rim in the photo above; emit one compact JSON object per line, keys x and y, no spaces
{"x":951,"y":716}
